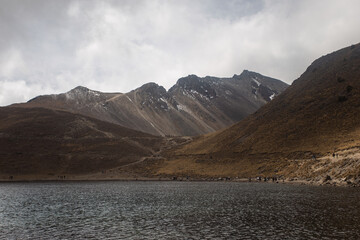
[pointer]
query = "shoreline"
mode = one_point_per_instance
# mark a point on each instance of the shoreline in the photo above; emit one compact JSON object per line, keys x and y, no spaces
{"x":332,"y":183}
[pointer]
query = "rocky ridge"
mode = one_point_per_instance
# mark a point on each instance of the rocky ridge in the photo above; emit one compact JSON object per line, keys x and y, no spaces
{"x":193,"y":106}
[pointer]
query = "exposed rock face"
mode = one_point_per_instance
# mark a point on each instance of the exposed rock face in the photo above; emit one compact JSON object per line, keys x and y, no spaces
{"x":193,"y":106}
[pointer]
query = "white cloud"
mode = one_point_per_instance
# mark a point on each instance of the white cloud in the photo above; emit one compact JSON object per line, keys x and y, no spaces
{"x":19,"y":91}
{"x":53,"y":46}
{"x":11,"y":63}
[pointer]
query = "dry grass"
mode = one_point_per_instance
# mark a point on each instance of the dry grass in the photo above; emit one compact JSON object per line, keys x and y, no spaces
{"x":316,"y":116}
{"x":45,"y":142}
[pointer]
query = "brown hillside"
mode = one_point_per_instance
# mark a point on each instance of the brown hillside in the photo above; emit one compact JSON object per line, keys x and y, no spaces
{"x":44,"y":142}
{"x":317,"y":115}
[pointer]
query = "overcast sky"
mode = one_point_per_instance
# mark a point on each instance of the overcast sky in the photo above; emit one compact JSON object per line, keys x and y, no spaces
{"x":52,"y":46}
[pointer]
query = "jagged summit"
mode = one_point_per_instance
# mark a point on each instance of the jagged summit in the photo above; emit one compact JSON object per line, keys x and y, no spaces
{"x":186,"y":82}
{"x":75,"y":93}
{"x":152,"y":88}
{"x":246,"y":74}
{"x":193,"y":85}
{"x":80,"y":88}
{"x":81,"y":92}
{"x":194,"y":105}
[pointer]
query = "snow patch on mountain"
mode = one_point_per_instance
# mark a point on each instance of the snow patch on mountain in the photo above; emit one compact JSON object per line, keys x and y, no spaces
{"x":181,"y":107}
{"x":129,"y":99}
{"x":272,"y":96}
{"x":256,"y":81}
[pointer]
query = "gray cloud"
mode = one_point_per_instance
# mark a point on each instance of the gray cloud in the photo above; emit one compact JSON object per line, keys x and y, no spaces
{"x":50,"y":46}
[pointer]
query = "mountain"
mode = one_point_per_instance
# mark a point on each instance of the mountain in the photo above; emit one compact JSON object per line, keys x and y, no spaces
{"x":193,"y":106}
{"x":39,"y":143}
{"x":311,"y":130}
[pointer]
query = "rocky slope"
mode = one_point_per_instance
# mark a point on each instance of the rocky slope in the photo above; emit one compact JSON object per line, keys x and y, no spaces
{"x":39,"y":143}
{"x":193,"y":106}
{"x":310,"y":131}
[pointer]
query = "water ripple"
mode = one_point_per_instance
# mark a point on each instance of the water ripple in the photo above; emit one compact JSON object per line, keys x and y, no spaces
{"x":177,"y":210}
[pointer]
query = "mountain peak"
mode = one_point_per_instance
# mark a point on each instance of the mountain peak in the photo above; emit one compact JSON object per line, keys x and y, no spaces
{"x":190,"y":80}
{"x":83,"y":93}
{"x":246,"y":74}
{"x":151,"y":85}
{"x":152,"y":88}
{"x":81,"y":88}
{"x":194,"y":105}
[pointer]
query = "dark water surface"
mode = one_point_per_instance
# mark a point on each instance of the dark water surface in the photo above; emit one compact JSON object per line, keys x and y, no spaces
{"x":177,"y":210}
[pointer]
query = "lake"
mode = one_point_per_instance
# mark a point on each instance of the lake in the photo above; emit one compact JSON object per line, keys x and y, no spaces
{"x":177,"y":210}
